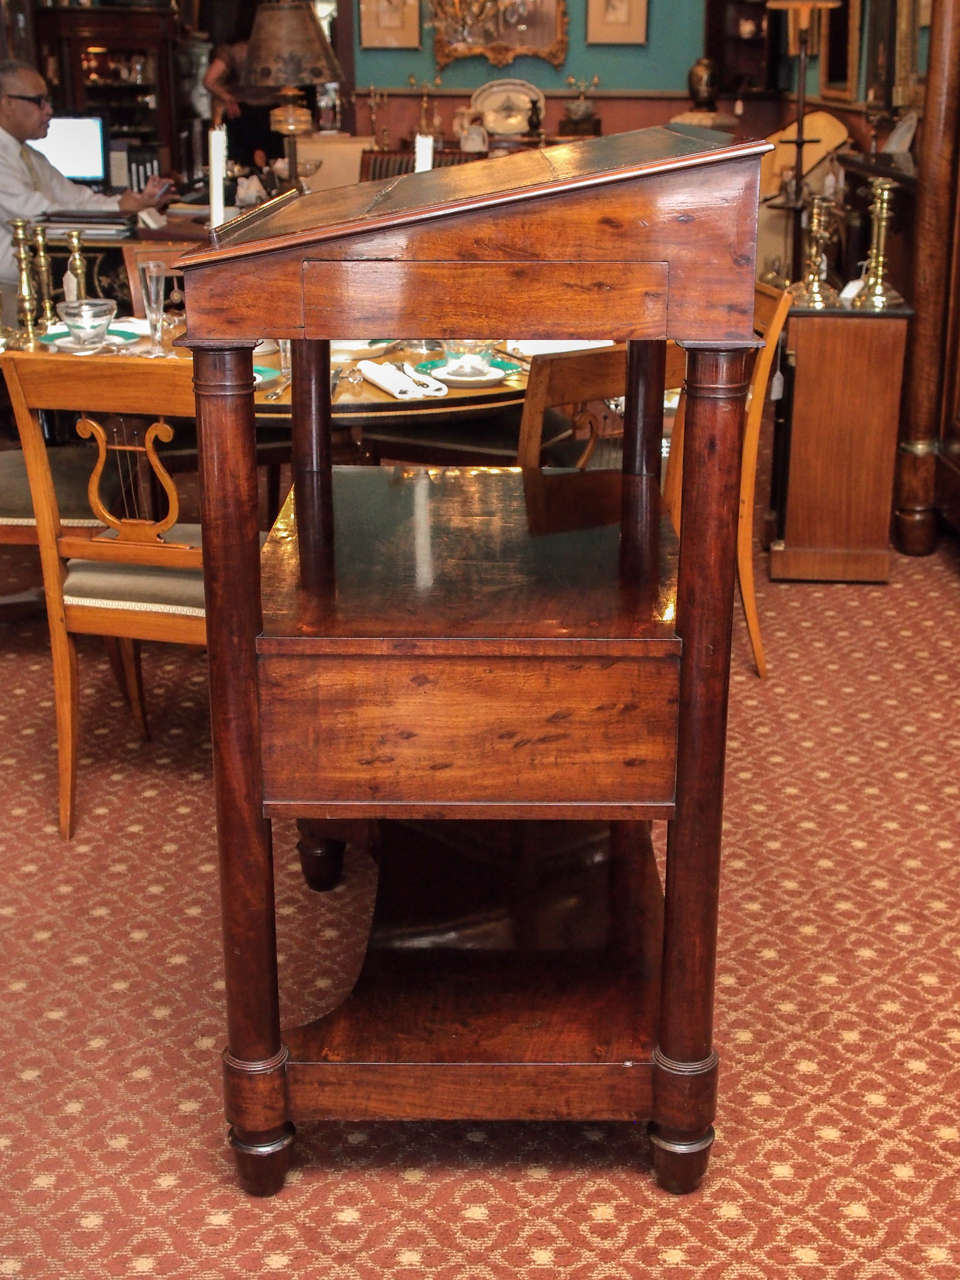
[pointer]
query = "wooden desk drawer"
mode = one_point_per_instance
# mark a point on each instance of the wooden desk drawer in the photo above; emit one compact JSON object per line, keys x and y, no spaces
{"x":433,"y":735}
{"x":413,"y":298}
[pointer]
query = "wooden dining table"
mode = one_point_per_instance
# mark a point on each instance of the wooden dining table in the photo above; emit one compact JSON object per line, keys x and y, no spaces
{"x":471,"y":424}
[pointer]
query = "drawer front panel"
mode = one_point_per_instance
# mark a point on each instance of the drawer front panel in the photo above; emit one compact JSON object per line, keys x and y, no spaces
{"x":493,"y":298}
{"x":452,"y":730}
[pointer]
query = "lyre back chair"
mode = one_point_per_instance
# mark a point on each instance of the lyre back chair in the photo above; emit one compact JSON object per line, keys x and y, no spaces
{"x":770,"y":313}
{"x":273,"y":442}
{"x":128,"y":575}
{"x":70,"y":471}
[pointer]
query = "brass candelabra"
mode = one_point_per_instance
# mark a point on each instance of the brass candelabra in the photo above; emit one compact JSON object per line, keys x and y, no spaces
{"x":812,"y":291}
{"x":376,"y":98}
{"x":24,"y":338}
{"x":876,"y":293}
{"x":76,"y":263}
{"x":35,"y":291}
{"x":427,"y":124}
{"x":44,"y":274}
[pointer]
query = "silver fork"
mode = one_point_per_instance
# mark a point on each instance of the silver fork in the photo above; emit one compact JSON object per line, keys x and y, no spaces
{"x":278,"y":390}
{"x":411,"y":373}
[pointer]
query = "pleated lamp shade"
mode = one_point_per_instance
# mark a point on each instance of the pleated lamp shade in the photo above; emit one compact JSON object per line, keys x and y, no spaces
{"x":287,"y":47}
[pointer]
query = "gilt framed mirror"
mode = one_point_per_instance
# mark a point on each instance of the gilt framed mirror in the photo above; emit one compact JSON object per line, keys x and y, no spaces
{"x":499,"y":31}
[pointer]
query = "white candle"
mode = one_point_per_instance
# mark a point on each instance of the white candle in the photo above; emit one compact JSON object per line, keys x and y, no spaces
{"x":217,"y":144}
{"x":422,"y":152}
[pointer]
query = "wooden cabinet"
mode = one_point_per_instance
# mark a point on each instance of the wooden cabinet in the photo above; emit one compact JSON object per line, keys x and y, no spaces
{"x":836,"y":451}
{"x":743,"y":39}
{"x":119,"y":63}
{"x":16,"y":30}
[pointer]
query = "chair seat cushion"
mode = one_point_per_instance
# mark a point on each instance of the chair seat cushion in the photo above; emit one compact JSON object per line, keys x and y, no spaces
{"x":137,"y":587}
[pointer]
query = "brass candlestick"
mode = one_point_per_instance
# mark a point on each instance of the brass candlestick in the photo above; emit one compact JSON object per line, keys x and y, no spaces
{"x":876,"y":293}
{"x":426,"y":124}
{"x":25,"y":338}
{"x":44,"y":272}
{"x":376,"y":98}
{"x":76,"y":263}
{"x":813,"y":291}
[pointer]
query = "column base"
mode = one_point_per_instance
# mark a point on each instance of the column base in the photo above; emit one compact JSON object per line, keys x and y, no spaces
{"x":679,"y":1164}
{"x":262,"y":1159}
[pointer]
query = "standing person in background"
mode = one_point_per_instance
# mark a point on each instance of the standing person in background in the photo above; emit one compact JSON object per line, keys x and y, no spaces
{"x":29,"y":184}
{"x":243,"y":107}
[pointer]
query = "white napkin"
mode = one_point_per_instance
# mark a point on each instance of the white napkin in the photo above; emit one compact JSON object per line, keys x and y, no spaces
{"x":389,"y":379}
{"x":399,"y":385}
{"x":428,"y":386}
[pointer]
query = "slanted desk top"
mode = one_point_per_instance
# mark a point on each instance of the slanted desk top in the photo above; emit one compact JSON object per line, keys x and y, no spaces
{"x":592,"y":222}
{"x":579,"y":711}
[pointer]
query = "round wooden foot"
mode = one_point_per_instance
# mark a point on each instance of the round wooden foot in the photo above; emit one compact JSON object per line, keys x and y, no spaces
{"x":321,"y":859}
{"x":262,"y":1159}
{"x":915,"y":532}
{"x":680,"y":1163}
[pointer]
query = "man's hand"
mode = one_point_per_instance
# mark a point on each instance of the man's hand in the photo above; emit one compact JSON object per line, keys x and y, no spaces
{"x":157,"y":193}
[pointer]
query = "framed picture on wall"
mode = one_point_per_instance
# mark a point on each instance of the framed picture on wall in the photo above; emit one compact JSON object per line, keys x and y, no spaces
{"x":389,"y":24}
{"x":840,"y":52}
{"x":616,"y":21}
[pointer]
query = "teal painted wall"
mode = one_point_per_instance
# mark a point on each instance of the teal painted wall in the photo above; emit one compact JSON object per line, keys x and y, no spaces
{"x":674,"y":42}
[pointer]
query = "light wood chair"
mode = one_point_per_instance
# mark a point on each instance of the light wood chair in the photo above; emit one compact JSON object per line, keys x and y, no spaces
{"x":273,"y":441}
{"x":771,"y":307}
{"x":70,"y":470}
{"x":578,"y":377}
{"x":578,"y":381}
{"x":136,"y":252}
{"x":568,"y":378}
{"x":125,"y":576}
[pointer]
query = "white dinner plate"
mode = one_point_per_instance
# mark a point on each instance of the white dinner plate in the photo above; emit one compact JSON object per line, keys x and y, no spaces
{"x":489,"y":379}
{"x":69,"y":346}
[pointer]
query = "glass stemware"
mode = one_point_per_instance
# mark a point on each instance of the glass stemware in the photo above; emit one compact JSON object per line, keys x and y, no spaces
{"x":153,"y":276}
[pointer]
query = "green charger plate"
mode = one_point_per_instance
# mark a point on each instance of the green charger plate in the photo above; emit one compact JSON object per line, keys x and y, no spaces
{"x":428,"y":366}
{"x":125,"y":334}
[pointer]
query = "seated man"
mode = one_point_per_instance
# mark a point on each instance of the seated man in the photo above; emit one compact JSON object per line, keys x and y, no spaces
{"x":29,"y":184}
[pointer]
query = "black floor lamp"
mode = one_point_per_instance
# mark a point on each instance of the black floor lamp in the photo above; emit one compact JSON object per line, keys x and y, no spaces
{"x":804,"y":10}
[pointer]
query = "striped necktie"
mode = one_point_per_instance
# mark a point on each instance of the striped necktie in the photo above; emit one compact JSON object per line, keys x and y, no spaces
{"x":26,"y":155}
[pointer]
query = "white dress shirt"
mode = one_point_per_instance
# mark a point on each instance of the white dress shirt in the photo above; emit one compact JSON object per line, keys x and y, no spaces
{"x":26,"y":194}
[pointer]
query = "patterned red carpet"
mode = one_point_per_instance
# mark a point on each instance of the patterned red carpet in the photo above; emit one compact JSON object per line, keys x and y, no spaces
{"x":838,"y":1135}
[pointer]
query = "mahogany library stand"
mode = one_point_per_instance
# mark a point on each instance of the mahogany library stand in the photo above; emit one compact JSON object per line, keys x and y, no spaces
{"x":415,"y":645}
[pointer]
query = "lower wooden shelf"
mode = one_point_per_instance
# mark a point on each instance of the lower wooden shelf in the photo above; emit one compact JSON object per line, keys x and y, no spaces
{"x":514,"y":1036}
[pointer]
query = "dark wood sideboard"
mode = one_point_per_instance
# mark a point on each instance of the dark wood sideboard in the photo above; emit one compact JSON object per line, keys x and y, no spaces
{"x":411,"y":647}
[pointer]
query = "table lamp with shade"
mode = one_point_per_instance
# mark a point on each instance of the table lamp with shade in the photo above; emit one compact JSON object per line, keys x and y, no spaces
{"x":804,"y":10}
{"x":287,"y":50}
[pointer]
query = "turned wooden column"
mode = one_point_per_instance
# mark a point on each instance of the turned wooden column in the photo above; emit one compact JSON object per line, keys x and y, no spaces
{"x":684,"y":1061}
{"x":254,"y":1060}
{"x":915,"y":520}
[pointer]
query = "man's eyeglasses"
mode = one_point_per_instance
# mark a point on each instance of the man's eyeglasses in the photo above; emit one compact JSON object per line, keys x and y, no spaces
{"x":39,"y":100}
